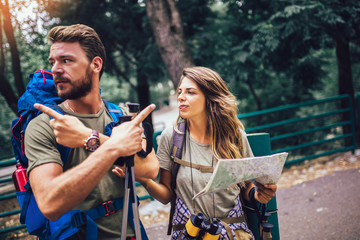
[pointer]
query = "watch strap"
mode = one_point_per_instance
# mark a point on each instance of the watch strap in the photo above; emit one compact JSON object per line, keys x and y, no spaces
{"x":95,"y":133}
{"x":89,"y":144}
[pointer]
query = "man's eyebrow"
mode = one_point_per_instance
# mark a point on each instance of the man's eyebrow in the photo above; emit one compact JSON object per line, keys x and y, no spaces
{"x":61,"y":57}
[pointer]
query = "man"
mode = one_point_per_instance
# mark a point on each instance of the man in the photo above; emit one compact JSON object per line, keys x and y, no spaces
{"x":77,"y":57}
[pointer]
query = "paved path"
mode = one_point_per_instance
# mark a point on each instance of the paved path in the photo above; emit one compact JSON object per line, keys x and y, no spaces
{"x":324,"y":208}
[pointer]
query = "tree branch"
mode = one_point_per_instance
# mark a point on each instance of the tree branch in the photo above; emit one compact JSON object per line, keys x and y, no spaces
{"x":9,"y":32}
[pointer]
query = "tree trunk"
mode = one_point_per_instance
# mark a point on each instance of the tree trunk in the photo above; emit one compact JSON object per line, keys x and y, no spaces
{"x":167,"y":28}
{"x":9,"y":32}
{"x":345,"y":82}
{"x":8,"y":93}
{"x":5,"y":88}
{"x":143,"y":90}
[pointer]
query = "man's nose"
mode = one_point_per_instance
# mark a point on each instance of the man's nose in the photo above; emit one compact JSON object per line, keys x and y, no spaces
{"x":56,"y":68}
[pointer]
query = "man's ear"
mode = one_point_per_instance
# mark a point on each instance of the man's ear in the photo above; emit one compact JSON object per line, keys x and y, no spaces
{"x":96,"y":64}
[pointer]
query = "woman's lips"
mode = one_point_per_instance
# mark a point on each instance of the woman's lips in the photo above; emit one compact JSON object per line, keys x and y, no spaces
{"x":181,"y":107}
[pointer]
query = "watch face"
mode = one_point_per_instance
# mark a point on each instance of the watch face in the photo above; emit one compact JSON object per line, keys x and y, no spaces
{"x":92,"y":144}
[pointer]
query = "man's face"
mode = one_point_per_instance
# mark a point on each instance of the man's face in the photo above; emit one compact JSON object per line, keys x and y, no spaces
{"x":71,"y":70}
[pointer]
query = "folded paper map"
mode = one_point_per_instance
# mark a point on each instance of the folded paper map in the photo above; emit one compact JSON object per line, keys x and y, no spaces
{"x":228,"y":172}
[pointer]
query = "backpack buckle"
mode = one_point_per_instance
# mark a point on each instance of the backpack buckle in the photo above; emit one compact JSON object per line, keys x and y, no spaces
{"x":78,"y":219}
{"x":109,"y":207}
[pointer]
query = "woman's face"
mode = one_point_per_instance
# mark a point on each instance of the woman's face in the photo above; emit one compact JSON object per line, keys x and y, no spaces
{"x":191,"y":101}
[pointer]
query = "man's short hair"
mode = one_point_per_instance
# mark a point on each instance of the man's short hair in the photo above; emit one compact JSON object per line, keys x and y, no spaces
{"x":87,"y":37}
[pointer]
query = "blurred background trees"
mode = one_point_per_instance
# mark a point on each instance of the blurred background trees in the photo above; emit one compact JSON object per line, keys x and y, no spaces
{"x":270,"y":52}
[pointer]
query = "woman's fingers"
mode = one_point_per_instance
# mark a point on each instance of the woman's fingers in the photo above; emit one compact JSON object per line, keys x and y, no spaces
{"x":119,"y":171}
{"x":265,"y":193}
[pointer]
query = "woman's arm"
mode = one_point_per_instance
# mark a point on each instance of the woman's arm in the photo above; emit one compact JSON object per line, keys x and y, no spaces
{"x":263,"y":193}
{"x":161,"y":190}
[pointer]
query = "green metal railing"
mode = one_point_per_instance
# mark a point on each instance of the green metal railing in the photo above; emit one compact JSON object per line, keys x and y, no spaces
{"x":6,"y":162}
{"x":333,"y":114}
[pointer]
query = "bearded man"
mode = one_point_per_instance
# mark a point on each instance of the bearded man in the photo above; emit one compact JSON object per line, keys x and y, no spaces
{"x":86,"y":181}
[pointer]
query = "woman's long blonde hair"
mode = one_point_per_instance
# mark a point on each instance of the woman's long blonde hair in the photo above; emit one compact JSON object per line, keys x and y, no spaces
{"x":223,"y":126}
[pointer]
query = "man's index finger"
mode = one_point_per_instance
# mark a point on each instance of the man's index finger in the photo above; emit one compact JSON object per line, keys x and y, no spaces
{"x":51,"y":112}
{"x":143,"y":114}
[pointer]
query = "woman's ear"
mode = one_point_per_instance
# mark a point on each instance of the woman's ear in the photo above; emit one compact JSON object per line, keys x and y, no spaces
{"x":97,"y":64}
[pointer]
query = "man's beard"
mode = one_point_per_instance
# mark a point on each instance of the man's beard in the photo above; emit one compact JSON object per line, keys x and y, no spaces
{"x":79,"y":88}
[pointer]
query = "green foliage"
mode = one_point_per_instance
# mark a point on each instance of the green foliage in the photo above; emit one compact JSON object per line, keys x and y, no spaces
{"x":271,"y":53}
{"x":112,"y":90}
{"x":275,"y":53}
{"x":127,"y":37}
{"x":6,"y":115}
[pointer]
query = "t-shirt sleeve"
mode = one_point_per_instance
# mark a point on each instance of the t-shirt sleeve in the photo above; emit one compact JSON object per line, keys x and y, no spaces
{"x":40,"y":143}
{"x":247,"y":149}
{"x":164,"y":150}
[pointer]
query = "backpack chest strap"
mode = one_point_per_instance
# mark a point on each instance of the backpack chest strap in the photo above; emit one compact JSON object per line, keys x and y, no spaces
{"x":106,"y":208}
{"x":202,"y":168}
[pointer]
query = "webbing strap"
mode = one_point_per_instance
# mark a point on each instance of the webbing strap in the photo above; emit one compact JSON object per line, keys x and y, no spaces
{"x":113,"y":109}
{"x":73,"y":221}
{"x":224,"y":221}
{"x":178,"y":227}
{"x":179,"y":139}
{"x":233,"y":219}
{"x":106,"y":208}
{"x":177,"y":144}
{"x":202,"y":168}
{"x":228,"y":230}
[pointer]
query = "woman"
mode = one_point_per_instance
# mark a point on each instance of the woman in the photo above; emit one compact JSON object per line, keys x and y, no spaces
{"x":213,"y":132}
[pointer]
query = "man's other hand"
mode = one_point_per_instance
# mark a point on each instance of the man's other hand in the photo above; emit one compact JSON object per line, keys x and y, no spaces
{"x":128,"y":135}
{"x":68,"y":130}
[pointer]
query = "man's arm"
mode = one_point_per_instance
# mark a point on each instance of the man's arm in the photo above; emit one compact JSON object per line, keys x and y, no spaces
{"x":71,"y":132}
{"x":57,"y":192}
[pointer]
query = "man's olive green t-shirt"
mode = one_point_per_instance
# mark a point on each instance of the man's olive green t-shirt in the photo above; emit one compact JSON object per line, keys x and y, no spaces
{"x":41,"y":148}
{"x":190,"y":181}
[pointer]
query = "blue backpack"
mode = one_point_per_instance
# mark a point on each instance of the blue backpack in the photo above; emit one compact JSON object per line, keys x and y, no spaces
{"x":41,"y":89}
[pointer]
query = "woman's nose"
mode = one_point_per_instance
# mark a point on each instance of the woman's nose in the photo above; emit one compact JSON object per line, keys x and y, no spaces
{"x":181,"y":97}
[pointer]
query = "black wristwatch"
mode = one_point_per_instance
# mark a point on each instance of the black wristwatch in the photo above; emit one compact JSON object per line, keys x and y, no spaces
{"x":93,"y":142}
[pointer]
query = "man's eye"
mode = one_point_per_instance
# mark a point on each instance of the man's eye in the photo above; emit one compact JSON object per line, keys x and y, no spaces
{"x":66,"y":60}
{"x":51,"y":63}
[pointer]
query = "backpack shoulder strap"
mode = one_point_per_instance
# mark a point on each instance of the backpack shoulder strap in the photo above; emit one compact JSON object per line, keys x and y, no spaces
{"x":114,"y":110}
{"x":64,"y":151}
{"x":58,"y":109}
{"x":178,"y":140}
{"x":115,"y":113}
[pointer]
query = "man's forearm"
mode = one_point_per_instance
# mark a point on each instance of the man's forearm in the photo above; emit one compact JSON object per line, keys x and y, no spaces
{"x":57,"y":195}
